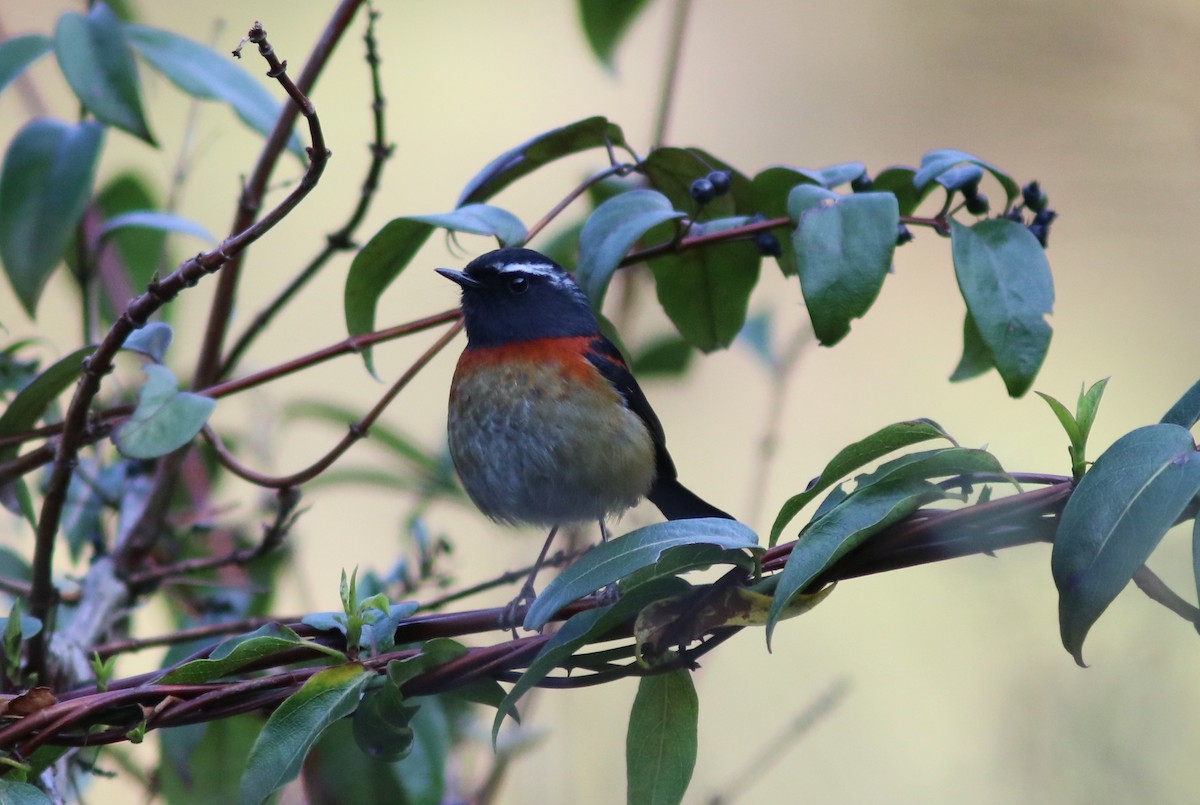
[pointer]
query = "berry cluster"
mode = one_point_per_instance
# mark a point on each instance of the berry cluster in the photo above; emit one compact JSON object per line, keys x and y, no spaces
{"x":977,"y":203}
{"x":709,"y":187}
{"x":1033,"y":198}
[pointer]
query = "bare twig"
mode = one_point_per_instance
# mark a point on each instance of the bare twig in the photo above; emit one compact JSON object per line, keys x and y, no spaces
{"x":343,"y":238}
{"x":100,"y":363}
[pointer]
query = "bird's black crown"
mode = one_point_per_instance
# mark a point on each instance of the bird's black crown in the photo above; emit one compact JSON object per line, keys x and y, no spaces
{"x":512,"y":295}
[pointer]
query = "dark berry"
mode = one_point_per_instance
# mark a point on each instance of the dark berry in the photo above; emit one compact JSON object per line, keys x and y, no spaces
{"x":703,"y":191}
{"x":903,"y":235}
{"x":1014,"y":215}
{"x":977,"y":204}
{"x":1041,"y":232}
{"x":861,"y":183}
{"x":1045,"y":217}
{"x":1033,"y":196}
{"x":768,"y":245}
{"x":720,"y":181}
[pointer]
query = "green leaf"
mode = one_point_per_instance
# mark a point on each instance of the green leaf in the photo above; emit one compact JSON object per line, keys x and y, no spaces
{"x":1186,"y":412}
{"x":381,"y":724}
{"x":1005,"y":281}
{"x":976,"y":357}
{"x":1064,"y":416}
{"x":97,"y":62}
{"x":18,"y":53}
{"x":434,"y":652}
{"x":667,"y":356}
{"x":153,"y":219}
{"x":899,"y":182}
{"x":25,"y":409}
{"x":935,"y":163}
{"x":960,"y":177}
{"x":1089,"y":404}
{"x":605,"y":22}
{"x":706,"y":291}
{"x":850,"y":458}
{"x":92,"y":489}
{"x":772,"y":187}
{"x":240,"y":651}
{"x":141,"y":250}
{"x":844,"y":248}
{"x":480,"y":219}
{"x":202,"y":73}
{"x":14,"y":793}
{"x":617,"y":558}
{"x":374,"y":268}
{"x":575,"y":632}
{"x":295,"y":726}
{"x":660,"y":745}
{"x":44,"y":188}
{"x":611,"y":231}
{"x":836,"y":175}
{"x":206,"y":769}
{"x":165,"y":418}
{"x":151,"y":341}
{"x":337,"y":771}
{"x":846,"y":526}
{"x":593,"y":132}
{"x":1116,"y":516}
{"x":393,"y":247}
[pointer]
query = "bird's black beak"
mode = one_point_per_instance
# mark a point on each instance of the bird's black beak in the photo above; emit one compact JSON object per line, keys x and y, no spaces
{"x":459,"y":277}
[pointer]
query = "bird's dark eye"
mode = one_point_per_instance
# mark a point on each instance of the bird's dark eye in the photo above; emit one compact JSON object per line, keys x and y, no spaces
{"x":518,"y":284}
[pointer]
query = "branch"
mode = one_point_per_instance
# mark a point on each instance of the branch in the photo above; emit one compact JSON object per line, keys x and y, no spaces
{"x":207,"y":367}
{"x":355,"y":432}
{"x":343,"y":238}
{"x":100,"y":362}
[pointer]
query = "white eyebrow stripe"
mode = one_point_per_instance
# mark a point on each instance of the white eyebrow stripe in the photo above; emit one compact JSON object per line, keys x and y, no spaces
{"x":540,"y":270}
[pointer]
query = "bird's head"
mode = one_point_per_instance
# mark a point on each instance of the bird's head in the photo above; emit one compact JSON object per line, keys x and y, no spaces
{"x":512,"y":295}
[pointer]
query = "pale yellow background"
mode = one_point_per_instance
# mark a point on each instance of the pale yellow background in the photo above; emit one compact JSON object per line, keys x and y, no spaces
{"x":958,"y":688}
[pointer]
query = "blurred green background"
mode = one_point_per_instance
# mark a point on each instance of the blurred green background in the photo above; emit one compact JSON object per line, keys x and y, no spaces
{"x":956,"y":688}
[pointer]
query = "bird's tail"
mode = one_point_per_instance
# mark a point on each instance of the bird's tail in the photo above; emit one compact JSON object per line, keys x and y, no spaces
{"x":677,"y":502}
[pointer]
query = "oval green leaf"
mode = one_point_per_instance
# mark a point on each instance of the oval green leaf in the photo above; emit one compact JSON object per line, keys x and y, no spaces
{"x":44,"y":188}
{"x":98,"y":64}
{"x":617,"y":558}
{"x":843,"y":528}
{"x":705,"y":291}
{"x":295,"y":726}
{"x":1005,"y":280}
{"x":610,"y":232}
{"x":203,"y":73}
{"x":843,"y":248}
{"x":153,"y":219}
{"x":151,"y":341}
{"x":165,"y":418}
{"x":660,"y":744}
{"x":592,"y":132}
{"x":976,"y":357}
{"x":605,"y":23}
{"x":374,"y":268}
{"x":886,"y":440}
{"x":27,"y":407}
{"x":19,"y":52}
{"x":1186,"y":412}
{"x":1118,"y":513}
{"x":935,"y":163}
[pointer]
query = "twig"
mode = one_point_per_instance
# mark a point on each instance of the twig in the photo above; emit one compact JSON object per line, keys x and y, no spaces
{"x":100,"y":363}
{"x":1158,"y":591}
{"x":342,"y":239}
{"x":666,"y":94}
{"x":208,"y":364}
{"x":354,"y":433}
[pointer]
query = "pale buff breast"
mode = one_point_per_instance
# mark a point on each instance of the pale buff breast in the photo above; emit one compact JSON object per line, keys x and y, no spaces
{"x":534,"y":446}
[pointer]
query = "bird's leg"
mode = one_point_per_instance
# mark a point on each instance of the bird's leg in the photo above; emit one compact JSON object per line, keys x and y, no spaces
{"x":516,"y":609}
{"x":608,"y":595}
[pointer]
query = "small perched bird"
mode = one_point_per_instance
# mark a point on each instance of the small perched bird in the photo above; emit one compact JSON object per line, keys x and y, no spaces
{"x":547,"y":425}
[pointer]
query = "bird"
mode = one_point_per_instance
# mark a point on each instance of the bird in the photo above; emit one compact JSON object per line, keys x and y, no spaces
{"x":546,"y":424}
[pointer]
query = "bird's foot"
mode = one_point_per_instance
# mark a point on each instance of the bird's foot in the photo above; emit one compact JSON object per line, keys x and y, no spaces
{"x":514,"y":612}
